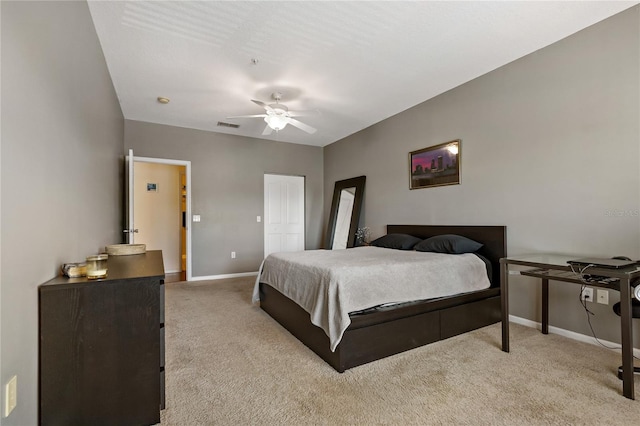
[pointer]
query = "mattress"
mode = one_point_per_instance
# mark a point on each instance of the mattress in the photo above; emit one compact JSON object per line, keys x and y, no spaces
{"x":329,"y":284}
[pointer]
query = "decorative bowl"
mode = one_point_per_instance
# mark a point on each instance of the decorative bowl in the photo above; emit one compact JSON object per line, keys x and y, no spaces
{"x":125,"y":249}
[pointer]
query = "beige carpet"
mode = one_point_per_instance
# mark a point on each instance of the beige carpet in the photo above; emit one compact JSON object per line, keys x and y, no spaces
{"x":229,"y":363}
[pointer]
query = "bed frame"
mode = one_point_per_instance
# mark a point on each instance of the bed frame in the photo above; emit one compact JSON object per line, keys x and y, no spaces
{"x":379,"y":334}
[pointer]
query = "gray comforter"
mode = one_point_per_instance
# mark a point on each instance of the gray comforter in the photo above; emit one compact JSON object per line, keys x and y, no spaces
{"x":329,"y":284}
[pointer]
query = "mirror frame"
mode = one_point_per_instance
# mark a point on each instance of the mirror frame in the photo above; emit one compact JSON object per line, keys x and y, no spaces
{"x":358,"y":183}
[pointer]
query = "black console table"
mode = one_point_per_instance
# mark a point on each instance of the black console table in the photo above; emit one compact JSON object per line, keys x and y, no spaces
{"x":555,"y":267}
{"x":101,"y":346}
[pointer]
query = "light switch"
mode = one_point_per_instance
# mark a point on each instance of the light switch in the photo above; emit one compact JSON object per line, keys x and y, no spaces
{"x":196,"y":218}
{"x":258,"y":219}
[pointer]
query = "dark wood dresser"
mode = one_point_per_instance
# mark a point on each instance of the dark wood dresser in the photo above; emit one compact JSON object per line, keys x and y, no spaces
{"x":101,"y":353}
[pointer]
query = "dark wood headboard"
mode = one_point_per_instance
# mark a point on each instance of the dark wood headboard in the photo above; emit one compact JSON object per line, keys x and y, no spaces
{"x":494,"y":239}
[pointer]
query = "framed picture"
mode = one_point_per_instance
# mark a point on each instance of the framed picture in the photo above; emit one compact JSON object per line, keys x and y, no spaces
{"x":435,"y":166}
{"x":152,"y":187}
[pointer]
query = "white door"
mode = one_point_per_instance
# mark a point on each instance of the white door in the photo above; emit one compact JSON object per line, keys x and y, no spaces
{"x":130,"y":230}
{"x":283,"y":213}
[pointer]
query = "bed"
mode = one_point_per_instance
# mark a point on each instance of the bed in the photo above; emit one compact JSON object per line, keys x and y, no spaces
{"x":373,"y":334}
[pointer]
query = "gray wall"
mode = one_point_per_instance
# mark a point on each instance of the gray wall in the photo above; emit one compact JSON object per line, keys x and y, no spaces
{"x":62,"y":135}
{"x":227,"y":175}
{"x":550,"y":148}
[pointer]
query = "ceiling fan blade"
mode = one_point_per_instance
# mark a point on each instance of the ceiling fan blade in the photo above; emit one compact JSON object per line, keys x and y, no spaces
{"x":303,"y":113}
{"x":302,"y":126}
{"x":267,"y":131}
{"x":248,"y":116}
{"x":263,"y":105}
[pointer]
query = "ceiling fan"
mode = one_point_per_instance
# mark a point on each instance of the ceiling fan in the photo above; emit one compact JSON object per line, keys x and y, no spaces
{"x":277,"y":116}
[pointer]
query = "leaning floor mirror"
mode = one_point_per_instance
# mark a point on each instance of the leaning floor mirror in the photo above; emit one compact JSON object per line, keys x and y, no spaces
{"x":345,"y":213}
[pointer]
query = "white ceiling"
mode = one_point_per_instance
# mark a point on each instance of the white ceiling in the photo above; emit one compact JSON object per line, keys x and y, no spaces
{"x":354,"y":63}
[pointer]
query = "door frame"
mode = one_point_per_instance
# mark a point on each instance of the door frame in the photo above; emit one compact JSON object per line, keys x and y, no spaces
{"x":187,"y":166}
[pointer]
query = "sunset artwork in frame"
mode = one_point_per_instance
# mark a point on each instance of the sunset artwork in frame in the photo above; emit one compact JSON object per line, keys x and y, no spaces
{"x":435,"y":166}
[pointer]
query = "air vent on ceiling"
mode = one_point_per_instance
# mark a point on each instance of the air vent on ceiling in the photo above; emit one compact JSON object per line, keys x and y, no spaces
{"x":223,"y":124}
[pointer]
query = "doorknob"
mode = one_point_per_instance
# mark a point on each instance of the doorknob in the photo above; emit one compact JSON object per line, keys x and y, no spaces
{"x":126,"y":231}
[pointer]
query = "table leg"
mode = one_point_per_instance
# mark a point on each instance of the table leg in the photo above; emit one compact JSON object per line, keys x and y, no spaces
{"x":504,"y":304}
{"x":545,"y":306}
{"x":627,"y":339}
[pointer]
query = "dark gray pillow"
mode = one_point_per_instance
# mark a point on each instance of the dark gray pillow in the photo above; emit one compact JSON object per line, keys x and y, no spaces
{"x":448,"y":243}
{"x":396,"y":241}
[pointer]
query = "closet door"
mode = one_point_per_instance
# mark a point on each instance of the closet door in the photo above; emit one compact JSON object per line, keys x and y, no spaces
{"x":283,"y":213}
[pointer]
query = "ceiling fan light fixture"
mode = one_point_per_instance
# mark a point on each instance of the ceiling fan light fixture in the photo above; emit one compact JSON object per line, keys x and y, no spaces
{"x":276,"y":122}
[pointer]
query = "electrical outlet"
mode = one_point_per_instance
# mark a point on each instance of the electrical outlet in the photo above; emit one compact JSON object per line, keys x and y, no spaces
{"x":587,"y":294}
{"x":603,"y":297}
{"x":233,"y":254}
{"x":10,"y":395}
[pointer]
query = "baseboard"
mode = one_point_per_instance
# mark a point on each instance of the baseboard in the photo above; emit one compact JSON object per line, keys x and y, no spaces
{"x":224,"y":276}
{"x":570,"y":334}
